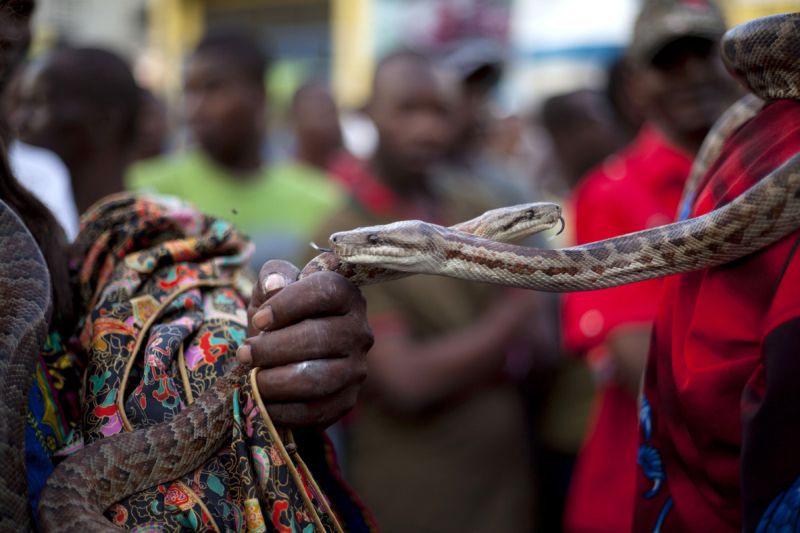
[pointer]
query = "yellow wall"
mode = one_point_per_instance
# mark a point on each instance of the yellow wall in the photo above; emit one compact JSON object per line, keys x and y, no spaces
{"x":175,"y":27}
{"x":739,"y":11}
{"x":352,"y":47}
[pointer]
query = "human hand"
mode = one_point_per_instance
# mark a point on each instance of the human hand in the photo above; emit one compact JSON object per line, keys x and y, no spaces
{"x":310,"y":338}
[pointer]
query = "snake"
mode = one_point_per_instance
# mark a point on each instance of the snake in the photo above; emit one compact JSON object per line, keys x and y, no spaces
{"x":85,"y":484}
{"x":26,"y":304}
{"x":762,"y":53}
{"x":765,"y":213}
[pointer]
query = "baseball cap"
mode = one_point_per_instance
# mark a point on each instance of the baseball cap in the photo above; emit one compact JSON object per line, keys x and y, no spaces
{"x":661,"y":22}
{"x":476,"y":60}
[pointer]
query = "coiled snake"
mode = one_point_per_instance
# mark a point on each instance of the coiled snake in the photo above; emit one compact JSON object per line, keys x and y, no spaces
{"x":764,"y":53}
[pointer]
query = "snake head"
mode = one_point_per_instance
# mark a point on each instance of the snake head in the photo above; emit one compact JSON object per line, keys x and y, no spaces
{"x":507,"y":224}
{"x":407,"y":245}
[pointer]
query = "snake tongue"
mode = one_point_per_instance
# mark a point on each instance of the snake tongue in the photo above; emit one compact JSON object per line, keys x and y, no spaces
{"x":319,"y":248}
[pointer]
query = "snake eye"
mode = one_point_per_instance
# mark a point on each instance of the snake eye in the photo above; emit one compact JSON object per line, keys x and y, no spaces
{"x":373,"y":239}
{"x":530,"y":213}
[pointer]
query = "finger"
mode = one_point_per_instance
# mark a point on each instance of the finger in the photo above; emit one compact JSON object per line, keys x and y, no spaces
{"x":317,"y":338}
{"x":320,"y":294}
{"x":319,"y":413}
{"x":274,"y":275}
{"x":309,"y":380}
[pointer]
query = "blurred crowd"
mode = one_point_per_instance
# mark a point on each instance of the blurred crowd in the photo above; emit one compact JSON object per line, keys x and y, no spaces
{"x":485,"y":409}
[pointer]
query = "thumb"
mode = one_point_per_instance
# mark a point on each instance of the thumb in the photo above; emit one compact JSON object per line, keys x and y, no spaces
{"x":274,"y":275}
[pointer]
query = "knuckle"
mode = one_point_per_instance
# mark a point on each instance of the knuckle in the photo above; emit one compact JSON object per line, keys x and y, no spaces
{"x":335,"y":285}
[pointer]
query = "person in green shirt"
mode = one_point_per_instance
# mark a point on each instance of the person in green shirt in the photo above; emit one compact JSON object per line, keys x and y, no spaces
{"x":225,"y":175}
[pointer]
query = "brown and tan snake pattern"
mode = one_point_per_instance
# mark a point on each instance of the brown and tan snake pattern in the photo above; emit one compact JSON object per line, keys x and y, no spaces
{"x":764,"y":53}
{"x":24,"y":308}
{"x":765,"y":213}
{"x":92,"y":479}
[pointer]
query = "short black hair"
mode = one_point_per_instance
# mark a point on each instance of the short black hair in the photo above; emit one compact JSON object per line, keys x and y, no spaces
{"x":403,"y":54}
{"x":399,"y":55}
{"x":100,"y":79}
{"x":240,"y":50}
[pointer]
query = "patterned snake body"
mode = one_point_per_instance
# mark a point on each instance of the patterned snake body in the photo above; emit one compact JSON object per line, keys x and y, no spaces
{"x":764,"y":214}
{"x":89,"y":481}
{"x":25,"y":300}
{"x":764,"y":53}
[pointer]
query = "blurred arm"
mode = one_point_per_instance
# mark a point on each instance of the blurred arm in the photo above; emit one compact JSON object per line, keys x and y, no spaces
{"x":411,"y":375}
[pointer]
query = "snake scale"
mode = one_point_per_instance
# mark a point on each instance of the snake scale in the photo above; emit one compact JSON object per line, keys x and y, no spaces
{"x":25,"y":297}
{"x":92,"y":479}
{"x":766,"y":212}
{"x":763,"y":53}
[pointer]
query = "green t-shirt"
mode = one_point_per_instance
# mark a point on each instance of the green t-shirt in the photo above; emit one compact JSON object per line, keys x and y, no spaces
{"x":281,"y":209}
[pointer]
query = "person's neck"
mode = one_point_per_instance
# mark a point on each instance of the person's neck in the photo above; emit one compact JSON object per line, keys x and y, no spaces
{"x":243,"y":162}
{"x":687,"y":141}
{"x":403,"y":183}
{"x":414,"y":190}
{"x":315,"y":157}
{"x":691,"y":144}
{"x":97,"y":177}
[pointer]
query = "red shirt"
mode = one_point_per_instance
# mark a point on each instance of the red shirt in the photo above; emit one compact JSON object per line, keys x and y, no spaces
{"x":638,"y":188}
{"x":720,"y":418}
{"x":367,"y":190}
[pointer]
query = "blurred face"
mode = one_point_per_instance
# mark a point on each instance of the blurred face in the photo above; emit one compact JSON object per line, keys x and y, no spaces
{"x":152,"y":128}
{"x":589,"y":135}
{"x":223,"y":107}
{"x":316,"y":120}
{"x":411,"y":117}
{"x":49,"y":117}
{"x":684,"y":89}
{"x":15,"y":35}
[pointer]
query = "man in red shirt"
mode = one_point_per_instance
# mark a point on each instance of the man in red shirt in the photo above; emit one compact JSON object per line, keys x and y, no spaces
{"x":719,"y":433}
{"x":681,"y":87}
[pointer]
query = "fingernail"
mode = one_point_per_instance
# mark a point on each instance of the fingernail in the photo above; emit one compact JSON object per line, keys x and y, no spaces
{"x":263,"y":318}
{"x":274,"y":282}
{"x":244,"y":355}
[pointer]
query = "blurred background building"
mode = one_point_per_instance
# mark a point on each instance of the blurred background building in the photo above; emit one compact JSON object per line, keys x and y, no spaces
{"x":550,"y":46}
{"x":545,"y":47}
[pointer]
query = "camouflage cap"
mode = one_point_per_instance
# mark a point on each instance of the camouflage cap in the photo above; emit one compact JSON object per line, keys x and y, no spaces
{"x":661,"y":22}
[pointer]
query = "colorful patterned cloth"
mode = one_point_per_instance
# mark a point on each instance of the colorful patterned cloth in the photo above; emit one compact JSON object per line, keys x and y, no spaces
{"x":165,"y":300}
